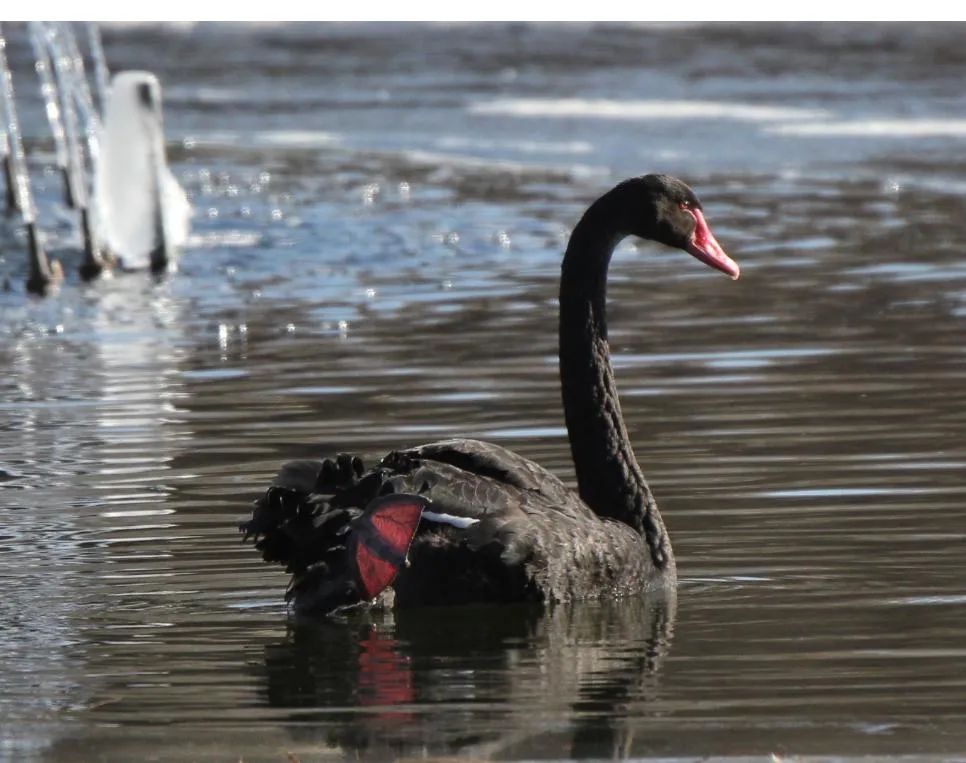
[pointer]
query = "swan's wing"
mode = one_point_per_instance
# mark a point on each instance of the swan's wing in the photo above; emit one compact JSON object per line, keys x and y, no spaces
{"x":514,"y":499}
{"x":495,"y":463}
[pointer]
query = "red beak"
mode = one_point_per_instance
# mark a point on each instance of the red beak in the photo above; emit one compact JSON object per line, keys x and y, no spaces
{"x":706,"y":248}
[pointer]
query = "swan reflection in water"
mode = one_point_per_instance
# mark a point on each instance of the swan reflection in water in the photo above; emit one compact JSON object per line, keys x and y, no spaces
{"x":485,"y":680}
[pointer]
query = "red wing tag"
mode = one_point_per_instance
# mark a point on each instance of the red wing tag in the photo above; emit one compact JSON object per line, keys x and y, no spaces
{"x":374,"y":573}
{"x":381,"y":539}
{"x":396,"y":522}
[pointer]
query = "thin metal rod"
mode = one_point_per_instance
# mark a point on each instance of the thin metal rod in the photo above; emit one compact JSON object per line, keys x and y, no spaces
{"x":72,"y":80}
{"x":102,"y":75}
{"x":41,"y":275}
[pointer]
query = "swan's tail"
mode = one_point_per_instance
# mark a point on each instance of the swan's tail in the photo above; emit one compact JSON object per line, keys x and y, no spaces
{"x":339,"y":554}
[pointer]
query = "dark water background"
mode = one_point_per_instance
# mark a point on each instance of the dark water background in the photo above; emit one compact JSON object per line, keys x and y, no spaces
{"x":380,"y":213}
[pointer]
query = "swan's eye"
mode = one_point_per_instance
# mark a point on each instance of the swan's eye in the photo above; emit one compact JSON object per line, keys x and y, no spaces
{"x":685,"y":205}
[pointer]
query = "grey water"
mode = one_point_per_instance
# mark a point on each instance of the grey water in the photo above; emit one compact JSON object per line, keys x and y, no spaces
{"x":380,"y":212}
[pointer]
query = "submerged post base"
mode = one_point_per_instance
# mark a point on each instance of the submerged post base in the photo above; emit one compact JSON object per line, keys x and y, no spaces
{"x":159,"y":259}
{"x":43,"y":275}
{"x":93,"y":264}
{"x":68,"y":190}
{"x":12,"y":204}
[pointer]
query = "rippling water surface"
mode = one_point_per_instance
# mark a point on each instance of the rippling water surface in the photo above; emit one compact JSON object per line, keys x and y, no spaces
{"x":380,"y":214}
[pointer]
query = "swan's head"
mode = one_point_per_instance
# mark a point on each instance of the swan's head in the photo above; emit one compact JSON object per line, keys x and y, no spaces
{"x":673,"y":215}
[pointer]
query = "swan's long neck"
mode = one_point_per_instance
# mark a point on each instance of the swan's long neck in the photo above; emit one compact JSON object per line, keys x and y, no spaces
{"x":609,"y":478}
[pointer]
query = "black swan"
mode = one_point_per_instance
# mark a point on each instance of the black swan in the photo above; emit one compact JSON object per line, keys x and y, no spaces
{"x":462,"y":520}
